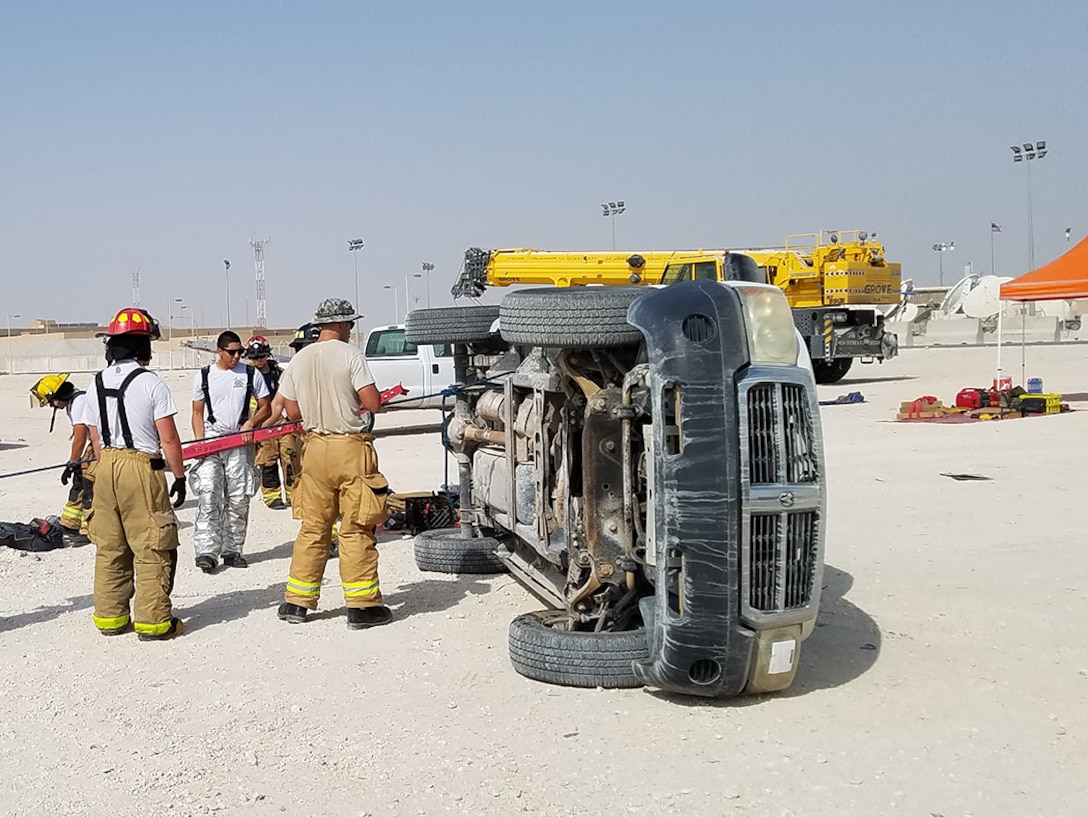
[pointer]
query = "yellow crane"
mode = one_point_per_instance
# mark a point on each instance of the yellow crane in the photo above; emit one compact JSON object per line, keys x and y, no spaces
{"x":833,"y":280}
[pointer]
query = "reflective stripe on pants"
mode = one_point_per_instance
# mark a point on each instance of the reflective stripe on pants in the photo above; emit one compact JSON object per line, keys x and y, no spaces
{"x":136,"y":538}
{"x":332,"y":485}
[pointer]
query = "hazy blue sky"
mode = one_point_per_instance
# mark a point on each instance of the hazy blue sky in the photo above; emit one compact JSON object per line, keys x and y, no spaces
{"x":164,"y":135}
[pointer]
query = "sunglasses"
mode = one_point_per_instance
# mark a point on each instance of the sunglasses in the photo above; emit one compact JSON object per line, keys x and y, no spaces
{"x":231,"y":352}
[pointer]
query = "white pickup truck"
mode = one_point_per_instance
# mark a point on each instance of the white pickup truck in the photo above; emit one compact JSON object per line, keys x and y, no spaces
{"x":423,"y":370}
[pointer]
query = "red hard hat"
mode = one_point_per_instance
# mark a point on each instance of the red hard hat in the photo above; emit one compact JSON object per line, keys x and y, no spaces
{"x":131,"y":321}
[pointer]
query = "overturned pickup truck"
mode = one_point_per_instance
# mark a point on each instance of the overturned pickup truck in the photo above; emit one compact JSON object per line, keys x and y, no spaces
{"x":649,"y":464}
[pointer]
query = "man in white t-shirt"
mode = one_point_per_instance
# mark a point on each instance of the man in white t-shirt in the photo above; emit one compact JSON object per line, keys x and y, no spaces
{"x":325,"y":386}
{"x":130,"y":414}
{"x":225,"y":481}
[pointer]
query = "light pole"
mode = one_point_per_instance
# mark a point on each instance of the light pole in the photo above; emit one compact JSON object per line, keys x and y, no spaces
{"x":354,"y":245}
{"x":183,"y":316}
{"x":396,"y":302}
{"x":226,"y":264}
{"x":407,"y":291}
{"x":427,"y":268}
{"x":942,"y":249}
{"x":170,"y":327}
{"x":611,"y":210}
{"x":1028,"y":154}
{"x":10,"y":316}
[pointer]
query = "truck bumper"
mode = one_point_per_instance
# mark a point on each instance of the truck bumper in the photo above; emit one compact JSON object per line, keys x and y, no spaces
{"x":705,"y":635}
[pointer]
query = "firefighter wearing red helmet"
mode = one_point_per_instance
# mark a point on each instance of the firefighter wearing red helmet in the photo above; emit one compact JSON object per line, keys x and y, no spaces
{"x":277,"y":451}
{"x":130,"y":413}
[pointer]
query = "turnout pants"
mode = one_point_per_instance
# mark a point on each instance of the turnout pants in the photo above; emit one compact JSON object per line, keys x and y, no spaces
{"x":136,"y":538}
{"x":76,"y":513}
{"x":223,"y":483}
{"x":340,"y":477}
{"x":271,"y":455}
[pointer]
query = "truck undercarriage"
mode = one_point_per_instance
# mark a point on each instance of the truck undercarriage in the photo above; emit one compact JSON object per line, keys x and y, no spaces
{"x":623,"y":456}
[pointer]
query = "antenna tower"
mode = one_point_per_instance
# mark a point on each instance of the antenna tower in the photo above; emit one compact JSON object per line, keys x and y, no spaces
{"x":136,"y":287}
{"x":262,"y":305}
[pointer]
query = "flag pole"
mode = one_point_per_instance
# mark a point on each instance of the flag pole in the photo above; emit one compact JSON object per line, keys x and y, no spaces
{"x":992,"y":249}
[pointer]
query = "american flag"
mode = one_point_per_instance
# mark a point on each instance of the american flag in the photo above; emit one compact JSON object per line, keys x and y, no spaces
{"x":994,"y":227}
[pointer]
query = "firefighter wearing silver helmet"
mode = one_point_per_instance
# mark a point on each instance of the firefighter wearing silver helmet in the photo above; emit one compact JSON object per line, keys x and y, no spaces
{"x":324,"y":386}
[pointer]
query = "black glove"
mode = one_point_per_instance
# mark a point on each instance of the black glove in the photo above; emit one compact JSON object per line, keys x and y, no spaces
{"x":178,"y":490}
{"x":69,"y":471}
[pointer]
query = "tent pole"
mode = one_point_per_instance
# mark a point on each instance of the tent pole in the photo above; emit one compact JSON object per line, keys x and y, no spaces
{"x":1000,"y":317}
{"x":1023,"y":345}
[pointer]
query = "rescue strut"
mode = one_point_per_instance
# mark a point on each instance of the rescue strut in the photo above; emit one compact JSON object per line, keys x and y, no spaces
{"x":236,"y":439}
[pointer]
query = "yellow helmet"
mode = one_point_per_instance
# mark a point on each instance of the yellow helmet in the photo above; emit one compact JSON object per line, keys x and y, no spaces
{"x":46,"y":389}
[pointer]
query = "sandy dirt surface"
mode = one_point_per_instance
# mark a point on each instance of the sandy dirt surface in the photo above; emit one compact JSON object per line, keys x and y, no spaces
{"x":947,"y":675}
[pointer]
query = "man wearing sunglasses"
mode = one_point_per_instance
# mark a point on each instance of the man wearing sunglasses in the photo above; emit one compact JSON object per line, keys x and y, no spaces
{"x":225,"y":481}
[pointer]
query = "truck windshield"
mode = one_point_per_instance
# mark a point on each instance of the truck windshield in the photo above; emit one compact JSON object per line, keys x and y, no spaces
{"x":703,"y":271}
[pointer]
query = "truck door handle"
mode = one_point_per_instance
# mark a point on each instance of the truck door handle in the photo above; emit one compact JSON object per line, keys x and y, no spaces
{"x":434,"y":368}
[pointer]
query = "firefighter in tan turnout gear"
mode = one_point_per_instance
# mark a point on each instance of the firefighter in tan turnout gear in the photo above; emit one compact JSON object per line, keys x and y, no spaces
{"x":130,"y":413}
{"x":58,"y":392}
{"x":276,"y":451}
{"x":324,"y":386}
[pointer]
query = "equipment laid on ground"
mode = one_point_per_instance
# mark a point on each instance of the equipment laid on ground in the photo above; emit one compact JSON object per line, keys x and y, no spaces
{"x":833,"y":281}
{"x":647,"y":462}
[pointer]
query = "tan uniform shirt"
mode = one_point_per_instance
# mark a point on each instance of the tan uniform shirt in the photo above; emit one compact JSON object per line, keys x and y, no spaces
{"x":324,"y":379}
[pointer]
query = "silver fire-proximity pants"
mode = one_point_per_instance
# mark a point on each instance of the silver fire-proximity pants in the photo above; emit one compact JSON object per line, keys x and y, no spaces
{"x":224,"y":483}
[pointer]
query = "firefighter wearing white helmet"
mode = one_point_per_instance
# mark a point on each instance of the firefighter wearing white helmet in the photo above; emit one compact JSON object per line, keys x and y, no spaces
{"x":58,"y":392}
{"x":130,"y":414}
{"x":324,"y":386}
{"x":225,"y":481}
{"x":275,"y":451}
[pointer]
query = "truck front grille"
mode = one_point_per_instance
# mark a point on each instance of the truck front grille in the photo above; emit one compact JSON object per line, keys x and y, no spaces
{"x":782,"y":560}
{"x":781,"y":447}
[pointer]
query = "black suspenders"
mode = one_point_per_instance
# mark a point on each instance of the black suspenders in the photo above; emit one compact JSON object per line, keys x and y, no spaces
{"x":208,"y":395}
{"x":122,"y":415}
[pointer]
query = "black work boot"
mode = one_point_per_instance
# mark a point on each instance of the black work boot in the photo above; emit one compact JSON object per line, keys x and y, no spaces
{"x":234,"y":560}
{"x":359,"y":618}
{"x":291,"y":613}
{"x":206,"y":563}
{"x":277,"y":504}
{"x":74,"y":539}
{"x":176,"y":629}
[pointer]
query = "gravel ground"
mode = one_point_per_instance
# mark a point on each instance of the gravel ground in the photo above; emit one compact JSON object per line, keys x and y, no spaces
{"x":947,"y":674}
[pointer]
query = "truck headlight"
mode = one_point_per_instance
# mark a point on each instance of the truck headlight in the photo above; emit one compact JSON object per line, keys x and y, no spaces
{"x":768,"y":322}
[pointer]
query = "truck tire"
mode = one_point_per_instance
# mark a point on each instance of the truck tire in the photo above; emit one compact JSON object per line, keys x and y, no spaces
{"x":452,"y":324}
{"x":543,"y":649}
{"x":586,"y":317}
{"x":828,"y":373}
{"x":446,"y":550}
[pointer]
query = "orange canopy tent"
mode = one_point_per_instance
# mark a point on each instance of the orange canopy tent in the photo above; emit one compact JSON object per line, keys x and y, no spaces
{"x":1064,"y":278}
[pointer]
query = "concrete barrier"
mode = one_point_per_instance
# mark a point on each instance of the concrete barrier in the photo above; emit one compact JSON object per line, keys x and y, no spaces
{"x":902,"y":331}
{"x":1030,"y":328}
{"x":951,"y":332}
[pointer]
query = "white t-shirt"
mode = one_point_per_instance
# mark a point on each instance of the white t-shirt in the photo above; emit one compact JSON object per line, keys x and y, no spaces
{"x":77,"y":409}
{"x":324,"y":379}
{"x":227,"y":388}
{"x":147,"y":399}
